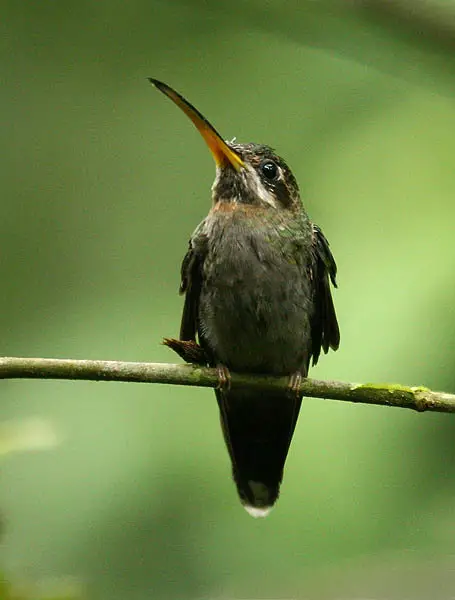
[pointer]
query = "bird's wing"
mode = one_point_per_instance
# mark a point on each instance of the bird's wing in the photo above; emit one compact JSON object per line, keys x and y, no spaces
{"x":324,"y":327}
{"x":190,"y":285}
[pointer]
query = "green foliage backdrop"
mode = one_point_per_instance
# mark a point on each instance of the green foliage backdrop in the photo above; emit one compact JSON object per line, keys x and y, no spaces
{"x":126,"y":488}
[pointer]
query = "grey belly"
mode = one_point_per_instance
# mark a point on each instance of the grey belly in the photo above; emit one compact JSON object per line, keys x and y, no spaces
{"x":255,"y":314}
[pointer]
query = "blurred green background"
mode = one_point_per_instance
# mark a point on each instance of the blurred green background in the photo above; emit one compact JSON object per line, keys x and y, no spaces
{"x":123,"y":491}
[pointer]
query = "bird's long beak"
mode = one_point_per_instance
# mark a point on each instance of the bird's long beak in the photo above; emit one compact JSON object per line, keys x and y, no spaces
{"x":222,"y":153}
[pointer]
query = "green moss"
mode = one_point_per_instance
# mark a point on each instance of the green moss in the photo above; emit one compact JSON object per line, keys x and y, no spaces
{"x":386,"y":387}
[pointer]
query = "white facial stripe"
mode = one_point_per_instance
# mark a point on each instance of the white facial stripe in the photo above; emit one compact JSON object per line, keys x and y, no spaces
{"x":254,"y":183}
{"x":258,"y":188}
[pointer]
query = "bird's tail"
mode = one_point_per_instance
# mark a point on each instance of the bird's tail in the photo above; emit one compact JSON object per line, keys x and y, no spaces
{"x":258,"y":429}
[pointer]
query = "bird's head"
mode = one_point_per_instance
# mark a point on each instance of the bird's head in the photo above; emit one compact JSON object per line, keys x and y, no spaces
{"x":251,"y":174}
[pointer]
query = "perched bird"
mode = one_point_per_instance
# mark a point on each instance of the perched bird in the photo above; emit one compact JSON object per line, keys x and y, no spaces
{"x":257,"y":300}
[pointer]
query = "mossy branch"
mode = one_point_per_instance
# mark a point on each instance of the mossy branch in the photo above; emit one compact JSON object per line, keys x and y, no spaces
{"x":416,"y":398}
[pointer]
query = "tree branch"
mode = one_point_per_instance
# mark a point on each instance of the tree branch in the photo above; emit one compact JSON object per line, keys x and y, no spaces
{"x":416,"y":398}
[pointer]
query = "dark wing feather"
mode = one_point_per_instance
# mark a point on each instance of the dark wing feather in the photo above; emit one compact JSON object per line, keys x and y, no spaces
{"x":190,"y":285}
{"x":324,"y":327}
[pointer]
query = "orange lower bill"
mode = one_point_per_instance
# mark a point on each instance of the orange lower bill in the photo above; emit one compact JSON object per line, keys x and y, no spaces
{"x":222,"y":153}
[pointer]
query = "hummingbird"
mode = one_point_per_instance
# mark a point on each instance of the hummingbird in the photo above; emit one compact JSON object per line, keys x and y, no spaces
{"x":256,"y":280}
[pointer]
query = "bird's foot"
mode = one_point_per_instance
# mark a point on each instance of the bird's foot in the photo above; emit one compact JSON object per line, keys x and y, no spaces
{"x":224,"y":378}
{"x":294,"y":385}
{"x":189,"y":350}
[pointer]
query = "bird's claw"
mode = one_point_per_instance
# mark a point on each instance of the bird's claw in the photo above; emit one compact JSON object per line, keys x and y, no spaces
{"x":224,"y":378}
{"x":294,"y":385}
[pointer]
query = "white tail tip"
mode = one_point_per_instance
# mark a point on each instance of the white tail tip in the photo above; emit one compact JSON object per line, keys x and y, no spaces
{"x":257,"y":512}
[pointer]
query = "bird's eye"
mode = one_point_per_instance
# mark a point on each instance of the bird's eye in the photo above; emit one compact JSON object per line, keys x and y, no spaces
{"x":269,"y":169}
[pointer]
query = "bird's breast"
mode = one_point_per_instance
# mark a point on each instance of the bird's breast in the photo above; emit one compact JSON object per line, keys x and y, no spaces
{"x":256,"y":301}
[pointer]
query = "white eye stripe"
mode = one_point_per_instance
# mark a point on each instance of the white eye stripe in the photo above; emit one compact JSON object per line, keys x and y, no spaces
{"x":258,"y":188}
